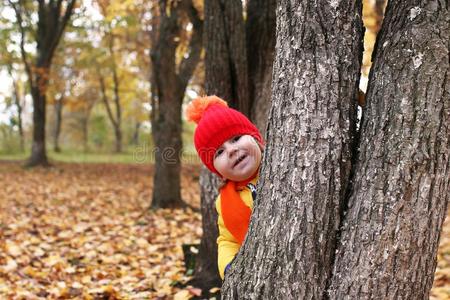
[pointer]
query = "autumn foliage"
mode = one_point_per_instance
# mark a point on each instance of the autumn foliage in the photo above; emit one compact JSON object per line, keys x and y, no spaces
{"x":84,"y":232}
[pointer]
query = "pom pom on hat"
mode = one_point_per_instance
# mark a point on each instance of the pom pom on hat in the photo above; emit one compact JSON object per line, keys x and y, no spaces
{"x":198,"y":106}
{"x":217,"y":123}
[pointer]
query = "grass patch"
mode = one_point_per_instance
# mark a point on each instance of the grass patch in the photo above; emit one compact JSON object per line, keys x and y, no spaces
{"x":130,"y":156}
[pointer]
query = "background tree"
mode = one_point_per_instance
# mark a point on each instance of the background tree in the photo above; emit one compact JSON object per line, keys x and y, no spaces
{"x":289,"y":249}
{"x":18,"y":99}
{"x":172,"y":67}
{"x":10,"y":59}
{"x":238,"y":68}
{"x":260,"y":39}
{"x":52,"y":18}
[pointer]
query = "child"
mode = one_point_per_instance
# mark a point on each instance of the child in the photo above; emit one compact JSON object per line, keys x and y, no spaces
{"x":230,"y":146}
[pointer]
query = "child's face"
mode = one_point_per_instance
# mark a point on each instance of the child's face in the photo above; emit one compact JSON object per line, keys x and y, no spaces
{"x":238,"y":158}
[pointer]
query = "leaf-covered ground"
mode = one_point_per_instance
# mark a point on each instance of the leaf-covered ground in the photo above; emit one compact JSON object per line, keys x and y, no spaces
{"x":82,"y":231}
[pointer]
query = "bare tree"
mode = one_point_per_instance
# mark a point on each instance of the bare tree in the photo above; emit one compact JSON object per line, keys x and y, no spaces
{"x":53,"y":17}
{"x":169,"y":82}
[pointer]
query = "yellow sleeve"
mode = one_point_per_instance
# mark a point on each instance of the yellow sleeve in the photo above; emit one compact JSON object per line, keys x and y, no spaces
{"x":227,"y":245}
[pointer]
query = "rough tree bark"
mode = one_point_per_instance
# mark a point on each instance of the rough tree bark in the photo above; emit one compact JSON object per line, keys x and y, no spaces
{"x":170,"y":81}
{"x":402,"y":180}
{"x":226,"y":54}
{"x":228,"y":40}
{"x":289,"y":249}
{"x":52,"y":19}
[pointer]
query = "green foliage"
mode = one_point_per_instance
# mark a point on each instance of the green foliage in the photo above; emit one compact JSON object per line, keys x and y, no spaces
{"x":9,"y":138}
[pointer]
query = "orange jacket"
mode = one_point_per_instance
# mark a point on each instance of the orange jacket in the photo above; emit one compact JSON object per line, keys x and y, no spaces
{"x":228,"y":246}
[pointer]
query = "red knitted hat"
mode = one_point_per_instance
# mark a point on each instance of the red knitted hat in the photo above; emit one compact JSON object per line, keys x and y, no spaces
{"x":217,"y":123}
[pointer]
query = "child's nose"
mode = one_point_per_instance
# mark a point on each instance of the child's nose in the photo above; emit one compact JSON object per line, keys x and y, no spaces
{"x":232,"y":150}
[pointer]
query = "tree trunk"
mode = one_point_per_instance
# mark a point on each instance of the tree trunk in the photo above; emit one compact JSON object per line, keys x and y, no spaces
{"x":85,"y":128}
{"x":58,"y":110}
{"x":226,"y":50}
{"x":51,"y":23}
{"x":18,"y":103}
{"x":115,"y":121}
{"x":135,"y":139}
{"x":260,"y":35}
{"x":167,"y":140}
{"x":221,"y":70}
{"x":220,"y":79}
{"x":118,"y":122}
{"x":289,"y":250}
{"x":38,"y":147}
{"x":402,"y":183}
{"x":206,"y":274}
{"x":170,"y":82}
{"x":118,"y":139}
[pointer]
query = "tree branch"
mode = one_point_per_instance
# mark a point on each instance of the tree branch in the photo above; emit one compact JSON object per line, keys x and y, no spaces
{"x":189,"y":64}
{"x":105,"y":100}
{"x":60,"y":25}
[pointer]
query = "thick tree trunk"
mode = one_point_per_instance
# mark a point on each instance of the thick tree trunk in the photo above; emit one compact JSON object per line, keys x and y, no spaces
{"x":226,"y":39}
{"x":58,"y":111}
{"x":170,"y":82}
{"x":226,"y":50}
{"x":402,"y":182}
{"x":224,"y":26}
{"x":167,"y":140}
{"x":38,"y":147}
{"x":289,"y":249}
{"x":51,"y":23}
{"x":260,"y":35}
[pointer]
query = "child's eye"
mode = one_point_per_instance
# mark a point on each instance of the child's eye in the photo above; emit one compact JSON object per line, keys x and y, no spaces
{"x":218,"y":152}
{"x":236,"y":138}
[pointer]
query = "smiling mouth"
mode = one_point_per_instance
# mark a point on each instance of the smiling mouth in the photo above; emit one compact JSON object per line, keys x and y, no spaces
{"x":239,"y":160}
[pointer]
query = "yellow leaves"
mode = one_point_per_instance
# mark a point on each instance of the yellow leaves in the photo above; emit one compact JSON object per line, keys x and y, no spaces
{"x":10,"y":266}
{"x":86,"y":233}
{"x":441,"y":284}
{"x":12,"y":248}
{"x":372,"y":23}
{"x":187,"y":293}
{"x":183,"y":295}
